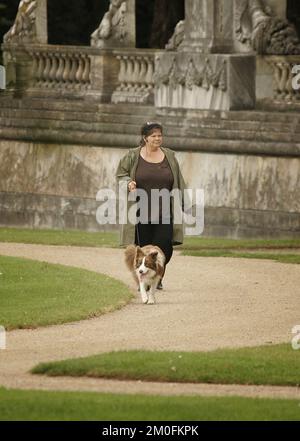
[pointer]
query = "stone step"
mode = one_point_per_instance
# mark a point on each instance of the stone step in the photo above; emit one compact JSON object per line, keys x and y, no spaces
{"x":72,"y":116}
{"x":134,"y":129}
{"x":87,"y":106}
{"x":192,"y":116}
{"x":121,"y":140}
{"x":200,"y":124}
{"x":244,"y":115}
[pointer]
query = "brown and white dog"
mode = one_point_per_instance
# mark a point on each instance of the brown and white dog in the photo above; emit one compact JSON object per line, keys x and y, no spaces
{"x":147,"y":267}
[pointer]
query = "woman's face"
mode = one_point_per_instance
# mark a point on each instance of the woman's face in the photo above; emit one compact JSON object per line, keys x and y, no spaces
{"x":155,"y":139}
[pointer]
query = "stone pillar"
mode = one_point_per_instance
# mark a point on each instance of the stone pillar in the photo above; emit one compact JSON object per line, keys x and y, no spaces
{"x":42,"y":22}
{"x":208,"y":26}
{"x":117,"y":28}
{"x":205,"y":72}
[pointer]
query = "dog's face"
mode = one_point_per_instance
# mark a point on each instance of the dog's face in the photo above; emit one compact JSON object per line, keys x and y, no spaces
{"x":145,"y":264}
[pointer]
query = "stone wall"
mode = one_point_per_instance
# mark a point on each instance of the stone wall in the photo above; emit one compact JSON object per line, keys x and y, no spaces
{"x":55,"y":186}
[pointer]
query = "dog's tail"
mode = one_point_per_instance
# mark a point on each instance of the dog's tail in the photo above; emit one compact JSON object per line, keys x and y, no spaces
{"x":129,"y":256}
{"x":130,"y":253}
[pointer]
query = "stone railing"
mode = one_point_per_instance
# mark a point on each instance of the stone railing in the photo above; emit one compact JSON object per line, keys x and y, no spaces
{"x":136,"y":77}
{"x":55,"y":71}
{"x":118,"y":76}
{"x":54,"y":67}
{"x":283,"y":78}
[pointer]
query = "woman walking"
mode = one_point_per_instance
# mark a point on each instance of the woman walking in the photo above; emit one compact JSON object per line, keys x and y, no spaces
{"x":152,"y":167}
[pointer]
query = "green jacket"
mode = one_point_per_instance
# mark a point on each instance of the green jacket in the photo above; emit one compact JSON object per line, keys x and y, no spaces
{"x":126,"y":172}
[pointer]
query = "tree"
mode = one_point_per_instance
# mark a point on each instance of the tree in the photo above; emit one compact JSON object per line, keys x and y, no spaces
{"x":73,"y":22}
{"x":8,"y":12}
{"x":166,"y":15}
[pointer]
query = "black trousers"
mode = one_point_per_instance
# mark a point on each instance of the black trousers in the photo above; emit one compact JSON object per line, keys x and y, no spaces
{"x":156,"y":234}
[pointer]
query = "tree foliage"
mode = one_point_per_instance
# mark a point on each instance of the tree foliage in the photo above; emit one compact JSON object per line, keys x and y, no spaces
{"x":8,"y":11}
{"x":166,"y":15}
{"x":73,"y":22}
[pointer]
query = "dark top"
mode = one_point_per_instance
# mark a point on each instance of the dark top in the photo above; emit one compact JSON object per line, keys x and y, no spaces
{"x":154,"y":176}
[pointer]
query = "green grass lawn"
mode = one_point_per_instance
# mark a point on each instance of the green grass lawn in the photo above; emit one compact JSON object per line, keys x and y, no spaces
{"x":38,"y":294}
{"x":69,"y":406}
{"x":245,"y":248}
{"x":193,"y":246}
{"x":272,"y":365}
{"x":280,"y":257}
{"x":59,"y":237}
{"x":198,"y":243}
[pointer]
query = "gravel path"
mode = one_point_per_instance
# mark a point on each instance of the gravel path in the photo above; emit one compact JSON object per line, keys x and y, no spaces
{"x":208,"y":303}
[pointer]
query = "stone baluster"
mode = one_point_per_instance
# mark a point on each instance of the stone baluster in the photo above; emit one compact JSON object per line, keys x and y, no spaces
{"x":80,"y":70}
{"x":60,"y":68}
{"x":122,"y":73}
{"x":128,"y":72}
{"x":86,"y":71}
{"x":67,"y":68}
{"x":136,"y":73}
{"x":143,"y":73}
{"x":53,"y":70}
{"x":46,"y":70}
{"x":150,"y":73}
{"x":73,"y":70}
{"x":131,"y":73}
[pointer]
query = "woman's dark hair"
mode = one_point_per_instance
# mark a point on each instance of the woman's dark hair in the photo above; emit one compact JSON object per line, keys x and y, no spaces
{"x":147,"y":129}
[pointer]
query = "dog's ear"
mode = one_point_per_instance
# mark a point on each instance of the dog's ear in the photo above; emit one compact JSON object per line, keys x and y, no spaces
{"x":139,"y":251}
{"x":154,"y":255}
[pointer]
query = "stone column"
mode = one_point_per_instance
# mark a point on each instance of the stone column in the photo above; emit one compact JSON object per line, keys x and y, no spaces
{"x":205,"y":72}
{"x":42,"y":22}
{"x":208,"y":26}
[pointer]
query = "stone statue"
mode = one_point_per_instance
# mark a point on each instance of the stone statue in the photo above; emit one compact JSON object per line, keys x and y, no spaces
{"x":23,"y":29}
{"x":177,"y":38}
{"x":264,"y":33}
{"x":112,"y":24}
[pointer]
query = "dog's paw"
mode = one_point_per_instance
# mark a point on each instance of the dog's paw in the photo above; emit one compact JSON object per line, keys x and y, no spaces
{"x":151,"y":300}
{"x":145,"y":299}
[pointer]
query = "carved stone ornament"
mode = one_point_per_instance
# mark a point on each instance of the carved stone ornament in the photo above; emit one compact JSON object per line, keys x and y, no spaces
{"x":112,"y":24}
{"x":177,"y":38}
{"x":264,"y":33}
{"x":24,"y":27}
{"x":190,"y":72}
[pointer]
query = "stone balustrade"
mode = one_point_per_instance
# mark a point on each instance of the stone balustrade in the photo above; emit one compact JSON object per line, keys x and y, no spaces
{"x":282,"y":66}
{"x":136,"y":77}
{"x":67,"y":68}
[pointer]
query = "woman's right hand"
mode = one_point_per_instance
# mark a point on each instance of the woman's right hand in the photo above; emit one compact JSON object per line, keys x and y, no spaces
{"x":132,"y":186}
